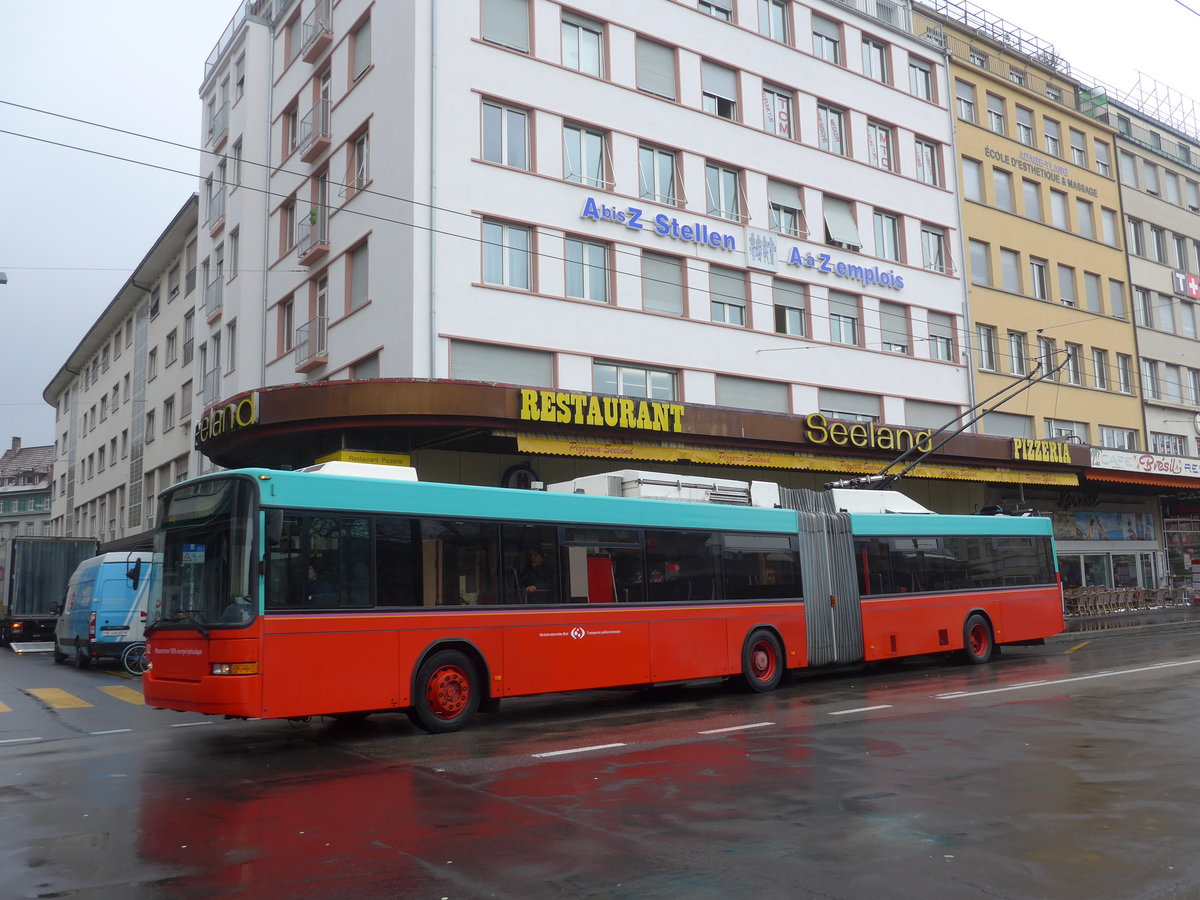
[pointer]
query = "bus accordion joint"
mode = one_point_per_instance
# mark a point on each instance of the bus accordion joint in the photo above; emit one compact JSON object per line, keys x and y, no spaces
{"x":833,"y":601}
{"x":248,"y":668}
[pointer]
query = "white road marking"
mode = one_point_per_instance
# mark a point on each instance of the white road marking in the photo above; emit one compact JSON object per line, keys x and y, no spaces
{"x":19,"y":740}
{"x":189,"y":724}
{"x":576,"y":750}
{"x":847,"y":712}
{"x":1029,"y":684}
{"x":113,"y":731}
{"x":736,"y":728}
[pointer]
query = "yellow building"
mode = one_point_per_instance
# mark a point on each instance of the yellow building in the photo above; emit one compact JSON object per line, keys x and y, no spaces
{"x":1043,"y":244}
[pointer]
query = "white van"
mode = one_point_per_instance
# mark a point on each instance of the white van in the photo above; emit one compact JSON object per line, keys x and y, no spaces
{"x":105,"y":608}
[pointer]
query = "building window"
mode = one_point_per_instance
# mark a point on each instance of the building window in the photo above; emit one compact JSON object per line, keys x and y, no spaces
{"x":1066,"y":285}
{"x":986,"y":336}
{"x":171,"y":352}
{"x":1091,"y":289}
{"x":965,"y":95}
{"x":1134,"y":237}
{"x":1016,"y":76}
{"x":1073,"y":368}
{"x":718,"y":9}
{"x":879,"y":145}
{"x":1172,"y":182}
{"x":1124,"y":373}
{"x":511,"y":147}
{"x":719,"y":90}
{"x":1151,"y":177}
{"x":981,"y":267}
{"x":1047,"y":358}
{"x":1108,"y":224}
{"x":662,"y":284}
{"x":848,"y":406}
{"x":583,"y":42}
{"x":920,"y":78}
{"x":789,"y":308}
{"x":777,"y":111}
{"x":887,"y":236}
{"x":1025,"y":126}
{"x":786,"y":213}
{"x":773,"y":19}
{"x":1164,"y":313}
{"x":1150,"y":389}
{"x":1058,"y":210}
{"x":1118,"y":438}
{"x":505,"y":135}
{"x":1103,"y":160}
{"x":893,"y":327}
{"x":1062,"y":430}
{"x":972,"y":185}
{"x":727,"y":288}
{"x":287,"y":324}
{"x":1100,"y":369}
{"x":995,"y":109}
{"x":1142,"y":311}
{"x":874,"y":60}
{"x":1158,"y":244}
{"x":843,"y":318}
{"x":360,"y":49}
{"x":941,"y":336}
{"x":655,"y":68}
{"x":1003,"y":188}
{"x":1010,"y":270}
{"x":359,"y":288}
{"x":1031,"y":195}
{"x":168,"y":414}
{"x":1116,"y":299}
{"x":1017,"y":354}
{"x":841,"y":230}
{"x":152,"y":364}
{"x":928,"y":162}
{"x":933,"y":248}
{"x":1051,"y":135}
{"x":506,"y":255}
{"x":633,"y":381}
{"x":1078,"y":147}
{"x":506,"y":22}
{"x":583,"y":155}
{"x":1083,"y":213}
{"x":723,"y":188}
{"x":1168,"y":444}
{"x":827,"y":39}
{"x":149,"y":427}
{"x":830,"y":124}
{"x":751,"y":393}
{"x":978,"y":57}
{"x":587,"y":270}
{"x":656,"y":174}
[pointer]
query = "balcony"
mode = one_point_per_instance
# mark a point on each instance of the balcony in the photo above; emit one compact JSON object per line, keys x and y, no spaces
{"x":211,"y":389}
{"x":317,"y":34}
{"x":218,"y":126}
{"x":314,"y":136}
{"x":312,"y":237}
{"x":311,"y":349}
{"x":216,"y":211}
{"x":214,"y":297}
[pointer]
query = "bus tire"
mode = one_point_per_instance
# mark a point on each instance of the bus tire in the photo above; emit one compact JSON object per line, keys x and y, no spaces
{"x":978,"y":640}
{"x":762,"y":661}
{"x":446,"y":694}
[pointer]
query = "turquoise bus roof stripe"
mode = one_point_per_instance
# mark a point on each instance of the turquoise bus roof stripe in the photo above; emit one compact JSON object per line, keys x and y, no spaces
{"x":312,"y":490}
{"x":872,"y":524}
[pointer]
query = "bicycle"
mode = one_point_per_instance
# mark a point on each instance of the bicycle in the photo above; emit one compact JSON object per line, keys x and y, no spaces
{"x":134,"y":658}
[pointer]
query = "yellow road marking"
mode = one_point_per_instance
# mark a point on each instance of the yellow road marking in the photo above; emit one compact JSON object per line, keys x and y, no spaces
{"x":1079,"y":646}
{"x":128,"y":694}
{"x":58,"y":699}
{"x":4,"y":707}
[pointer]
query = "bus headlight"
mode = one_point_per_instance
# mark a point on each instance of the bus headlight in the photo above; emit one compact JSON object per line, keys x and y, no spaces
{"x":250,"y":668}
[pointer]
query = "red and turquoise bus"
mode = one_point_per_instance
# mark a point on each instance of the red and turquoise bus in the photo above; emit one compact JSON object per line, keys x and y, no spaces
{"x":295,"y":594}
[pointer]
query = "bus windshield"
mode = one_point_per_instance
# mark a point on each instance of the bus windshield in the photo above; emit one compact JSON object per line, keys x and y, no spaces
{"x":205,"y":541}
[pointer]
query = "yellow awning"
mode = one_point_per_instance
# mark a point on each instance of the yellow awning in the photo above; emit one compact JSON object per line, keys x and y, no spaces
{"x":668,"y":452}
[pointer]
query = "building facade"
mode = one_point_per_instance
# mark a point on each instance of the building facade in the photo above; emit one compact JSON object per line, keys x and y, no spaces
{"x":25,"y":477}
{"x":123,"y":399}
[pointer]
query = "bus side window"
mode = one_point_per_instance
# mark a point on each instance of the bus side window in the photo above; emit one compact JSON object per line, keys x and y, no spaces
{"x":529,"y":564}
{"x":285,"y":572}
{"x":397,"y":561}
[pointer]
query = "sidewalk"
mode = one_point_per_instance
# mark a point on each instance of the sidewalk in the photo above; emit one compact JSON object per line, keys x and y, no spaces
{"x":1136,"y":618}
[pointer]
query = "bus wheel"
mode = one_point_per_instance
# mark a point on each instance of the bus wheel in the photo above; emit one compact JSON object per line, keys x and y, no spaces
{"x":762,"y":661}
{"x":447,"y":692}
{"x":978,"y":642}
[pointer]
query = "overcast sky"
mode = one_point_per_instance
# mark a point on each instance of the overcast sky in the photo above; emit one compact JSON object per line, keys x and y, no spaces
{"x":73,"y":224}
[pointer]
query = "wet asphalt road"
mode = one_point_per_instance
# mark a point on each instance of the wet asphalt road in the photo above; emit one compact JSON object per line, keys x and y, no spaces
{"x":1057,"y":772}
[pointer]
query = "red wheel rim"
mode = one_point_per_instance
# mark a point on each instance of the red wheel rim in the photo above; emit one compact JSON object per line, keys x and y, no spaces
{"x":448,"y":692}
{"x":763,"y":660}
{"x":979,"y":639}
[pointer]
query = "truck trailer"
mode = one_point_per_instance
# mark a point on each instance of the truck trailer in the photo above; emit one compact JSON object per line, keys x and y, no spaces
{"x":34,"y":572}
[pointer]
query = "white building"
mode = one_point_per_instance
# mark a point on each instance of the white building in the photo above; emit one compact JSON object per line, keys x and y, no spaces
{"x":740,"y":204}
{"x":123,"y":399}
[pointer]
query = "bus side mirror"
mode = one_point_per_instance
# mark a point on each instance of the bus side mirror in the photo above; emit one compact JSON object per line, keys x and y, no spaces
{"x":274,"y":525}
{"x":134,"y":574}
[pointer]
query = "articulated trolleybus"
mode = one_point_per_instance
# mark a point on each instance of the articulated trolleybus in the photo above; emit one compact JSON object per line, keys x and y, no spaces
{"x":345,"y":590}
